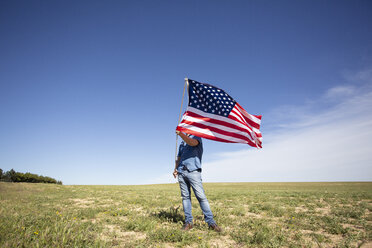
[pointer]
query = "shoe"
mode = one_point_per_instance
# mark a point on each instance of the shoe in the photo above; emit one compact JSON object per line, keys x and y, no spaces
{"x":187,"y":226}
{"x":215,"y":228}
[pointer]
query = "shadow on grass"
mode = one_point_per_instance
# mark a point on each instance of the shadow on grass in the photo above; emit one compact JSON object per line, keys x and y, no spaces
{"x":170,"y":215}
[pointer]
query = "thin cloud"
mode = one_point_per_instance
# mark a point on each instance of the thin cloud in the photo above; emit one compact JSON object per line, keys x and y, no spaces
{"x":332,"y":145}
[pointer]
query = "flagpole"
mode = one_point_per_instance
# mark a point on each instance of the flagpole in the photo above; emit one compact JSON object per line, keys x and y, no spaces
{"x":179,"y":118}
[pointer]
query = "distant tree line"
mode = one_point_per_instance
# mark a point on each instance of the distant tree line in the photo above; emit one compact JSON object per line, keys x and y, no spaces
{"x":17,"y":177}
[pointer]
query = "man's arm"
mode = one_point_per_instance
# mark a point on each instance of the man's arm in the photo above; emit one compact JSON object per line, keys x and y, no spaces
{"x":188,"y":140}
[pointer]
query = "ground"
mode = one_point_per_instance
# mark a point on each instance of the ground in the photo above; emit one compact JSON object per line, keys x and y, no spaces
{"x":251,"y":214}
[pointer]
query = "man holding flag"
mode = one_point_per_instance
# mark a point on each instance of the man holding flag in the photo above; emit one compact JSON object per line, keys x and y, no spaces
{"x":188,"y":169}
{"x":212,"y":114}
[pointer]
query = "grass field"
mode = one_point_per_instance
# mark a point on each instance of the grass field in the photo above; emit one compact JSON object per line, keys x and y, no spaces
{"x":251,"y":214}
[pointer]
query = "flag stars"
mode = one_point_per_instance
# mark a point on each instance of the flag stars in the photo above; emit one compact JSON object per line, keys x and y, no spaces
{"x":210,"y":100}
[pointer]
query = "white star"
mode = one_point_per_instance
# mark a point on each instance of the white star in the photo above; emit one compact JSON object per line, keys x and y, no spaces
{"x":205,"y":110}
{"x":198,"y":106}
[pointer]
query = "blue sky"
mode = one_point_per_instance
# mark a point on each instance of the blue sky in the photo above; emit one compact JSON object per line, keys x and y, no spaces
{"x":90,"y":91}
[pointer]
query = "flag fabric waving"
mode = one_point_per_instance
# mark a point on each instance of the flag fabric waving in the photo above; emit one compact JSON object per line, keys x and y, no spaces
{"x":213,"y":114}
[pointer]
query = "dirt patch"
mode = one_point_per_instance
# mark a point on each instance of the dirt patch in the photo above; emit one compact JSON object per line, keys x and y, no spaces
{"x":323,"y":211}
{"x":334,"y":238}
{"x":83,"y":203}
{"x":257,"y":216}
{"x":114,"y":232}
{"x":367,"y":245}
{"x":301,"y":209}
{"x":223,"y":241}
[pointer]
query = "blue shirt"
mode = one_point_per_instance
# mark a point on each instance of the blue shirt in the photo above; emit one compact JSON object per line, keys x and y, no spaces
{"x":191,"y":156}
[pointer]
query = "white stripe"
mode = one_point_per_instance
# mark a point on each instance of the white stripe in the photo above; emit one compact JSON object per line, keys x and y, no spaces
{"x":208,"y":132}
{"x":249,"y":116}
{"x":223,"y":128}
{"x":236,"y":111}
{"x":221,"y":118}
{"x":217,"y":117}
{"x":238,"y":116}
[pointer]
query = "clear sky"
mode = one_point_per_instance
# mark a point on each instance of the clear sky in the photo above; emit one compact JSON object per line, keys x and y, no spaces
{"x":90,"y":91}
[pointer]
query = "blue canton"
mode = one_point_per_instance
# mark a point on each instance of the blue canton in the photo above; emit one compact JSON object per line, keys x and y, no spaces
{"x":210,"y":99}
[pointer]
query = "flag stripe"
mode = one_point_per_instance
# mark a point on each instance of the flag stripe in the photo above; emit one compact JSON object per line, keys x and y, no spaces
{"x":235,"y":118}
{"x":203,"y":135}
{"x":255,"y":119}
{"x":201,"y":129}
{"x":245,"y":119}
{"x":220,"y":122}
{"x":218,"y":129}
{"x":226,"y":121}
{"x":220,"y":118}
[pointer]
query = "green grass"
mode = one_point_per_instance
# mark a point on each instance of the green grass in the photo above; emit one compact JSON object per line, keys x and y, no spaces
{"x":251,"y":214}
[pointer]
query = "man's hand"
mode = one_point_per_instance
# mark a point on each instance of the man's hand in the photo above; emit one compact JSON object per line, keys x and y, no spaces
{"x":175,"y":173}
{"x":177,"y":132}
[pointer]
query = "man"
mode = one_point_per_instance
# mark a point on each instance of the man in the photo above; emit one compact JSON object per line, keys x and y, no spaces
{"x":188,"y":169}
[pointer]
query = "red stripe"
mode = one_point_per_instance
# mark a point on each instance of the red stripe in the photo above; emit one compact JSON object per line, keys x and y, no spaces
{"x":245,"y":124}
{"x":202,"y":135}
{"x":249,"y":121}
{"x":206,"y":136}
{"x":222,"y":123}
{"x":217,"y":130}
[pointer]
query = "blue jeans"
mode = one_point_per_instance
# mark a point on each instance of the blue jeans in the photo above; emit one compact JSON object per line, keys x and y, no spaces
{"x":193,"y":179}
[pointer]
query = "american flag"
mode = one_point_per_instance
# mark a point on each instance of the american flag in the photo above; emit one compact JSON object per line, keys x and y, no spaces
{"x":213,"y":114}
